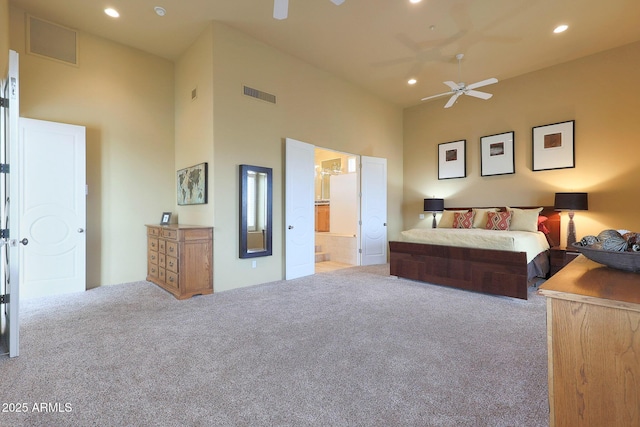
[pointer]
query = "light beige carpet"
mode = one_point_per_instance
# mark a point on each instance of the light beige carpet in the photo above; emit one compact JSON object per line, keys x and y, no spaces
{"x":353,"y":347}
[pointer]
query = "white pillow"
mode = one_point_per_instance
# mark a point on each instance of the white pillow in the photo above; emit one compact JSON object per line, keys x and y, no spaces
{"x":480,"y":216}
{"x":446,"y":220}
{"x":524,"y":219}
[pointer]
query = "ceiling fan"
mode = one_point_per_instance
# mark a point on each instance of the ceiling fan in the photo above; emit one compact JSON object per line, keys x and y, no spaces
{"x":281,"y":8}
{"x":458,"y":89}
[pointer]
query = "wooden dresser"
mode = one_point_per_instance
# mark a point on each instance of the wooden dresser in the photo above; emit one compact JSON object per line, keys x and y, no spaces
{"x":180,"y":259}
{"x":593,"y":336}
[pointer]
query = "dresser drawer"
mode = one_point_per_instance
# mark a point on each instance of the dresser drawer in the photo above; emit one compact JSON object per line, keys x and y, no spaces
{"x":161,"y":260}
{"x":162,"y":274}
{"x":172,"y":248}
{"x":162,"y":245}
{"x":152,"y":257}
{"x":172,"y":279}
{"x":152,"y":270}
{"x":172,"y":264}
{"x":169,"y":234}
{"x":153,"y":243}
{"x":153,"y":231}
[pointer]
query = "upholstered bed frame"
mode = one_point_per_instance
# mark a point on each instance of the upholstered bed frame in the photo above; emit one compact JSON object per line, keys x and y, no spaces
{"x":482,"y":270}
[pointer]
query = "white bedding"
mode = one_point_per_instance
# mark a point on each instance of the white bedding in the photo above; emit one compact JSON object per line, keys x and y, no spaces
{"x":513,"y":241}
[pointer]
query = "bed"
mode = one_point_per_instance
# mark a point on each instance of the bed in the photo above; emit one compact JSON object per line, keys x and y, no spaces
{"x":504,"y":270}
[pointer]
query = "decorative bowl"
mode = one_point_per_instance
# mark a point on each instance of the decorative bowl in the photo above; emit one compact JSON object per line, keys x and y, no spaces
{"x":628,"y":261}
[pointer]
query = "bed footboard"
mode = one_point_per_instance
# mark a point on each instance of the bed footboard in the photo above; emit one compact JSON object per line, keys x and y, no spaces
{"x":480,"y":270}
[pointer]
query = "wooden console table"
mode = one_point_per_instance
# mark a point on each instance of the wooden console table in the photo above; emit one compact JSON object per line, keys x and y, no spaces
{"x":593,"y":337}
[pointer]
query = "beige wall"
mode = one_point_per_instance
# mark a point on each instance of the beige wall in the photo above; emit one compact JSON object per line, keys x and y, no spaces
{"x":597,"y":92}
{"x":124,"y":97}
{"x":4,"y":38}
{"x":194,"y":120}
{"x":312,"y":106}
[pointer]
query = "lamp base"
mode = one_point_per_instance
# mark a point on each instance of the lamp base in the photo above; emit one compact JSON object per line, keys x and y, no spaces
{"x":433,"y":224}
{"x":571,"y":231}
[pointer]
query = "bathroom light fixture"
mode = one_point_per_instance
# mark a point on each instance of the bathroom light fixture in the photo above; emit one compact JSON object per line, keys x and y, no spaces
{"x":560,"y":29}
{"x":112,"y":12}
{"x":412,"y":81}
{"x":160,"y":11}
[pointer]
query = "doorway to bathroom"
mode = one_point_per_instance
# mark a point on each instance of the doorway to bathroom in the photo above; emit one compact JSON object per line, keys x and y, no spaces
{"x":336,"y":210}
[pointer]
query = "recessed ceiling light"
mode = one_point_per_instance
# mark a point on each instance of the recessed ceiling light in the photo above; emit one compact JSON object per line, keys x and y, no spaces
{"x":160,"y":11}
{"x":412,"y":81}
{"x":112,"y":12}
{"x":415,"y":1}
{"x":561,"y":29}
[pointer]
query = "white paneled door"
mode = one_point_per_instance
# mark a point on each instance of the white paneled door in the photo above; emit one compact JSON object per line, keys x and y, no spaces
{"x":52,"y":208}
{"x":10,"y":244}
{"x":299,"y":209}
{"x":373,"y":184}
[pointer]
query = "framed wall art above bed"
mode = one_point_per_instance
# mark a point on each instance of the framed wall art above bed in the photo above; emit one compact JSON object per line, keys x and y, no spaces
{"x":497,"y":154}
{"x":553,"y":146}
{"x":452,"y":161}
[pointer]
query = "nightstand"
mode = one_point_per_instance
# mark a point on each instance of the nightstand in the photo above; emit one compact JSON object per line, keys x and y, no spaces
{"x":561,"y":256}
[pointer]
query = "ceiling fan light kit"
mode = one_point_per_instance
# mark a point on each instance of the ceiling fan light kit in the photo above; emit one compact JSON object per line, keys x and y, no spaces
{"x":461,"y":88}
{"x":281,"y":8}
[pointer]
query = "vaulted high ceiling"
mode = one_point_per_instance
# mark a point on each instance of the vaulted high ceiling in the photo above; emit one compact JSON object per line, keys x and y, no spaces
{"x":376,"y":44}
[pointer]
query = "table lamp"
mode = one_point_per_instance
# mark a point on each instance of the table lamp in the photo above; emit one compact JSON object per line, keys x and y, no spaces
{"x":433,"y":206}
{"x":571,"y":202}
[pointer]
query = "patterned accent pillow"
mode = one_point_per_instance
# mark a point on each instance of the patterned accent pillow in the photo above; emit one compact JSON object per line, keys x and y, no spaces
{"x":498,"y":220}
{"x":446,"y":220}
{"x":480,"y":216}
{"x":463,"y":220}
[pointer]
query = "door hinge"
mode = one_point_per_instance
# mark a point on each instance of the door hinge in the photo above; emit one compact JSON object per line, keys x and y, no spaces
{"x":4,"y":299}
{"x":4,"y":102}
{"x":4,"y":168}
{"x":4,"y":233}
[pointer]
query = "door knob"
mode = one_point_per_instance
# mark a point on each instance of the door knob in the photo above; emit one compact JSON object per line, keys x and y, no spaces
{"x":24,"y":241}
{"x":80,"y":230}
{"x":291,"y":227}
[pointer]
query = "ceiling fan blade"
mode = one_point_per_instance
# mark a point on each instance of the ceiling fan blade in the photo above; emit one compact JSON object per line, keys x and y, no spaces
{"x":483,"y":83}
{"x":337,"y":2}
{"x":437,"y":96}
{"x":452,"y":85}
{"x":452,"y":100}
{"x":280,"y":9}
{"x":478,"y":94}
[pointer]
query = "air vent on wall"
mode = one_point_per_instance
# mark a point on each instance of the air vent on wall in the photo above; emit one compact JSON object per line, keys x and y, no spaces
{"x":52,"y":41}
{"x":258,"y":94}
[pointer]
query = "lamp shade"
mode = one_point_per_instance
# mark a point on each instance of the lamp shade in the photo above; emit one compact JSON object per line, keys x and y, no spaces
{"x":571,"y":202}
{"x":433,"y":205}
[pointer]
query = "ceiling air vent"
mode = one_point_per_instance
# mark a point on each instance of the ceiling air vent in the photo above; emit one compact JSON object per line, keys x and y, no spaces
{"x":52,"y":41}
{"x":258,"y":94}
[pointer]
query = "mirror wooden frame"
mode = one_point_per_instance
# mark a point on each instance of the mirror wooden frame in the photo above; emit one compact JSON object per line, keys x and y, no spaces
{"x":245,"y":251}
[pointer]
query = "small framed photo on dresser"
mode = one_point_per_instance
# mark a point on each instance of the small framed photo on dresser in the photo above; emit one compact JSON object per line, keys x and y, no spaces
{"x":166,"y":217}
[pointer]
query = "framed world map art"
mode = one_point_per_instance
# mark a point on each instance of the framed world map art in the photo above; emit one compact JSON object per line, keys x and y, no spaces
{"x":192,"y":185}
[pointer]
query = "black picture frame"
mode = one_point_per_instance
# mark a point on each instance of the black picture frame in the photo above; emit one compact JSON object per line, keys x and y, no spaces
{"x":497,"y":155}
{"x":452,"y":162}
{"x":166,"y":218}
{"x":553,"y":146}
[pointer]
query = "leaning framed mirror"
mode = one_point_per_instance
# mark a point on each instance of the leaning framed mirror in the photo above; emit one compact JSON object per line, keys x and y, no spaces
{"x":256,"y":201}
